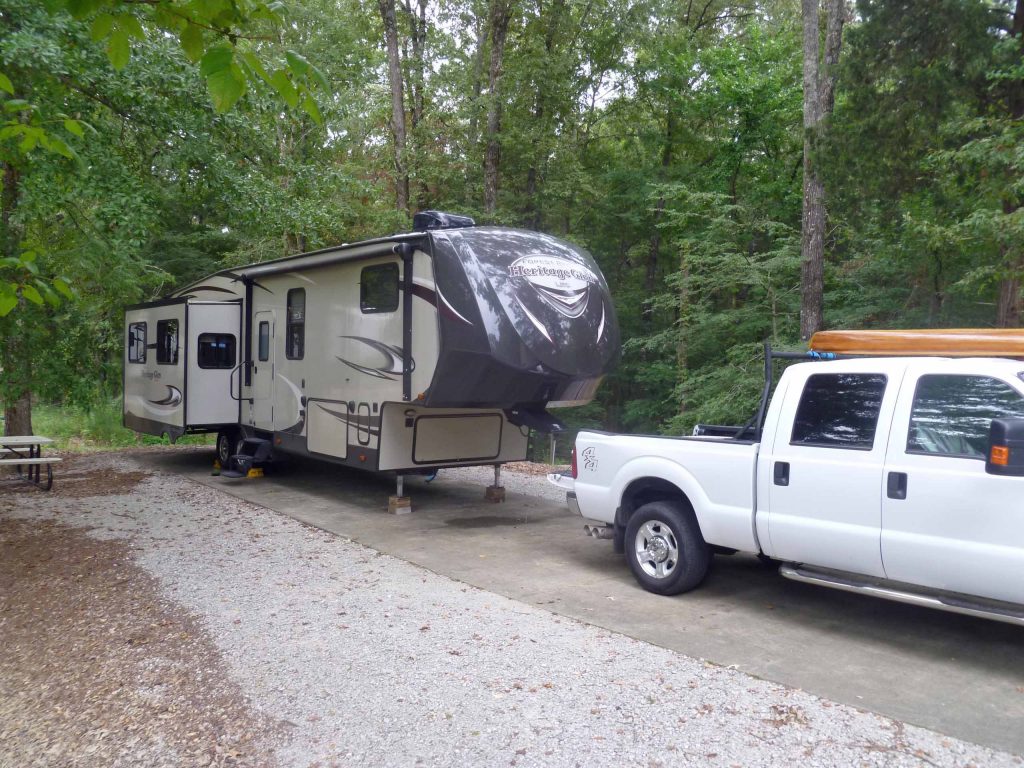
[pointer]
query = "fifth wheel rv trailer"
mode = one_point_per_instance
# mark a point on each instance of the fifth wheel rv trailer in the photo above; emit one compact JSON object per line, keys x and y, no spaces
{"x":436,"y":348}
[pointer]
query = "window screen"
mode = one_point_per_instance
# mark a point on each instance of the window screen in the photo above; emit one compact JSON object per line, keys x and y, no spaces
{"x":295,"y":328}
{"x":137,"y":343}
{"x":216,"y":350}
{"x":839,"y":410}
{"x":378,"y":288}
{"x":167,"y":342}
{"x":264,"y":350}
{"x":952,"y":414}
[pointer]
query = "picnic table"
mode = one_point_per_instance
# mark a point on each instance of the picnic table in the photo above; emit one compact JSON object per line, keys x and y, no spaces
{"x":25,"y":454}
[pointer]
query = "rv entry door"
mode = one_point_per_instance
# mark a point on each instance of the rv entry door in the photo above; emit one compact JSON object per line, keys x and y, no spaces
{"x":263,"y":371}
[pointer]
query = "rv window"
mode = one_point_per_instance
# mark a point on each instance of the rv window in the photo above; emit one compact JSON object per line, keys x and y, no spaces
{"x":137,"y":343}
{"x":378,"y":288}
{"x":264,"y":351}
{"x":216,"y":350}
{"x":167,"y":342}
{"x":295,"y":329}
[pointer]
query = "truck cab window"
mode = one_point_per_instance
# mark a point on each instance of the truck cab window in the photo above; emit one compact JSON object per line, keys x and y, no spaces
{"x":951,"y":413}
{"x":839,"y":410}
{"x":378,"y":288}
{"x":167,"y":342}
{"x":295,"y":328}
{"x":216,"y":350}
{"x":137,"y":343}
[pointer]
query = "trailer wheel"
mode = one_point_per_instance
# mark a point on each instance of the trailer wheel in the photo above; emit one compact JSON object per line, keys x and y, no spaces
{"x":226,"y":441}
{"x":665,"y":548}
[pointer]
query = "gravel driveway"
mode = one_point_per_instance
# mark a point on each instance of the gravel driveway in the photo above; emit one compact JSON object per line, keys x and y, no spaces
{"x":260,"y":641}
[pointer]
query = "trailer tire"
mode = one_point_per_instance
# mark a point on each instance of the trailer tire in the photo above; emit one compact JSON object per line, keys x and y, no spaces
{"x":227,"y":440}
{"x":665,"y":548}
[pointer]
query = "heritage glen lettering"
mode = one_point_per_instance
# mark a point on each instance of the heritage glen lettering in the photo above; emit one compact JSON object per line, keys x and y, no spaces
{"x":520,"y":270}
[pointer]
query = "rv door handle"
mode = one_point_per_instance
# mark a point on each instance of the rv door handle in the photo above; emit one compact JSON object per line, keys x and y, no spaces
{"x":896,"y":485}
{"x":781,"y":473}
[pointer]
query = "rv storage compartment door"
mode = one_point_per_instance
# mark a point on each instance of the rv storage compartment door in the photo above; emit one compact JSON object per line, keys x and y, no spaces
{"x":471,"y":437}
{"x":413,"y":436}
{"x":327,"y":427}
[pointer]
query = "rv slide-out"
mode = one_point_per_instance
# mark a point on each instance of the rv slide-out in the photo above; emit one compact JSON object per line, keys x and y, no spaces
{"x":439,"y":347}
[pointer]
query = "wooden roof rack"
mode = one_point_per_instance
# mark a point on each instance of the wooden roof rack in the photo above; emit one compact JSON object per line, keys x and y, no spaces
{"x":948,"y":342}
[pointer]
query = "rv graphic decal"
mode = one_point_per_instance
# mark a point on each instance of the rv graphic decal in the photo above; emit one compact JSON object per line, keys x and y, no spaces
{"x":238,"y":278}
{"x":392,"y":366}
{"x":563,"y":284}
{"x":214,"y":288}
{"x":173,"y":399}
{"x":536,"y":323}
{"x":296,"y":428}
{"x":369,"y":424}
{"x":436,"y":299}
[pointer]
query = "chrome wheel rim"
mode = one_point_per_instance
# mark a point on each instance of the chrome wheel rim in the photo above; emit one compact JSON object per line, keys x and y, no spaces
{"x":656,"y":548}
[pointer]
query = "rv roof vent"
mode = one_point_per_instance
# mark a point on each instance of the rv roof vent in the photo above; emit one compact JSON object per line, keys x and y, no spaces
{"x":425,"y":220}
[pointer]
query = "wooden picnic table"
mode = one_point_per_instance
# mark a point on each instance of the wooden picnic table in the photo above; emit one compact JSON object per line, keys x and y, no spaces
{"x":25,"y":454}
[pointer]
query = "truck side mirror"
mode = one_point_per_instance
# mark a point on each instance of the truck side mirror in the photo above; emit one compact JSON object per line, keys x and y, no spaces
{"x":1006,"y":448}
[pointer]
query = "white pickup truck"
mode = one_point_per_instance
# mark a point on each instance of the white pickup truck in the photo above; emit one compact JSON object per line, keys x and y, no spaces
{"x":900,"y":477}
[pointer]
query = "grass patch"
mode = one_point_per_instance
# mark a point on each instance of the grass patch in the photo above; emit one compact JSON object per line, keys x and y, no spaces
{"x":95,"y":429}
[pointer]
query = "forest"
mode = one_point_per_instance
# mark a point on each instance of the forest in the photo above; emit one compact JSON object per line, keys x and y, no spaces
{"x":743,"y":172}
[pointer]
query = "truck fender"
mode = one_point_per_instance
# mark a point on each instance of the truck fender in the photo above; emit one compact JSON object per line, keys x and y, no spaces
{"x":658,"y":472}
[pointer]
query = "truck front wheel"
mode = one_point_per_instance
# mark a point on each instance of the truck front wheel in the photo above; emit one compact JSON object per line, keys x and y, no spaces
{"x":665,"y":548}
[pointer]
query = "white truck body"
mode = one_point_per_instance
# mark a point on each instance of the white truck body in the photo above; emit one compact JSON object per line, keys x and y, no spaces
{"x":898,"y":498}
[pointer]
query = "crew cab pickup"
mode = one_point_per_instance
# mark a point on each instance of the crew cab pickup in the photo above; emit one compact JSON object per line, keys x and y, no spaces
{"x":900,"y":477}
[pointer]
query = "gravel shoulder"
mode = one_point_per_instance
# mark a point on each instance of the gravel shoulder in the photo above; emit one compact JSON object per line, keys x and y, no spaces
{"x":146,"y":619}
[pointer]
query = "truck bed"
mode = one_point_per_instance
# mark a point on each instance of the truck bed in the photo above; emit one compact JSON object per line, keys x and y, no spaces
{"x":715,"y":474}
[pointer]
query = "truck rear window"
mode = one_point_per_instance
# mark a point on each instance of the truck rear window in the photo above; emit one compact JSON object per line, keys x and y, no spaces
{"x":839,"y":410}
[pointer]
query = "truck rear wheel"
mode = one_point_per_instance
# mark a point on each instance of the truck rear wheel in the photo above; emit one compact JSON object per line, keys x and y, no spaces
{"x":665,"y":548}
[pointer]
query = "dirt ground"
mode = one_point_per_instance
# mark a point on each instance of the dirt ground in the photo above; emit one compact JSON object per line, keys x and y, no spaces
{"x":97,"y":669}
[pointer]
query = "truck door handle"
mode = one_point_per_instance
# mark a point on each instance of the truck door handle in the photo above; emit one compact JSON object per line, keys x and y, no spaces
{"x":896,"y":485}
{"x":781,"y":473}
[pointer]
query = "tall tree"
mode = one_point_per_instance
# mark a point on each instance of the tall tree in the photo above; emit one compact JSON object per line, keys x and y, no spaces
{"x":500,"y":17}
{"x":398,"y":129}
{"x":819,"y":100}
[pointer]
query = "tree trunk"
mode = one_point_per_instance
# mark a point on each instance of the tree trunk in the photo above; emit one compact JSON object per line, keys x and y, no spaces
{"x":1009,"y":305}
{"x":418,"y":36}
{"x":417,"y":17}
{"x":682,"y":347}
{"x":18,"y":415}
{"x":654,"y":247}
{"x":15,"y":365}
{"x":501,"y":14}
{"x":819,"y":98}
{"x":398,"y":133}
{"x":551,"y":28}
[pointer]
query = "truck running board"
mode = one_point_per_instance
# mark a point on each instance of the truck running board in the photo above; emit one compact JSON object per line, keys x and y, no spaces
{"x":903,"y":593}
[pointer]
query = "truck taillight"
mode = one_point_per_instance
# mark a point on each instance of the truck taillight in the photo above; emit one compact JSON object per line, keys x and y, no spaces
{"x":574,"y":462}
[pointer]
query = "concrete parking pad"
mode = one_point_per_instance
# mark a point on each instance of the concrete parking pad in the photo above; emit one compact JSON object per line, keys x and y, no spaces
{"x":954,"y":674}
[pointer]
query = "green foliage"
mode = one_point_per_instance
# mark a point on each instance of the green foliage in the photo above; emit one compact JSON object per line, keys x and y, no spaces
{"x":96,"y":428}
{"x":145,"y":145}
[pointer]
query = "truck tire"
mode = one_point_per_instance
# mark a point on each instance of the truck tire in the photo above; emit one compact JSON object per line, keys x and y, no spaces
{"x":665,"y":548}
